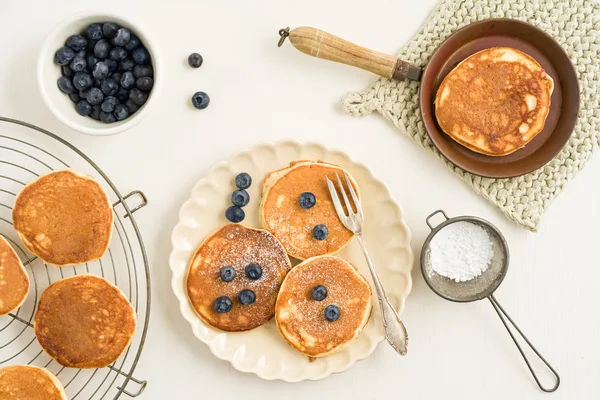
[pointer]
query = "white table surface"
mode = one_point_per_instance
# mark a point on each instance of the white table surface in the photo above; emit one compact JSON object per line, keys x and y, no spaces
{"x":262,"y":93}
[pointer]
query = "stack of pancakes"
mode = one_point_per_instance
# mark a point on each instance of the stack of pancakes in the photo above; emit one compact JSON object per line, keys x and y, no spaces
{"x":281,"y":290}
{"x":495,"y":101}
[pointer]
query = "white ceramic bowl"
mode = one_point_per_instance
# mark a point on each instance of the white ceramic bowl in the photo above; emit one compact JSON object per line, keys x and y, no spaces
{"x":48,"y":73}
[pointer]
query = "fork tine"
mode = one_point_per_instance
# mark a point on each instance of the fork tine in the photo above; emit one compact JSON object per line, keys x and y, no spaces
{"x":346,"y":201}
{"x":353,"y":194}
{"x":336,"y":201}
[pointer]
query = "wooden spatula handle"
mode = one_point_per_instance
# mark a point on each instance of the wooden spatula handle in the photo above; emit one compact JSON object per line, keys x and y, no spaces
{"x":320,"y":44}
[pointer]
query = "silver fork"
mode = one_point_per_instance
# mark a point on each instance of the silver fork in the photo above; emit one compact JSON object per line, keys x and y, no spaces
{"x":395,"y":331}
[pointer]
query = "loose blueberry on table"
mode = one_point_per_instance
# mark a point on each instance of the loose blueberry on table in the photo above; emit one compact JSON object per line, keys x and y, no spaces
{"x":320,"y":232}
{"x":200,"y":100}
{"x":195,"y":60}
{"x":253,"y":271}
{"x":319,"y":293}
{"x":332,"y":313}
{"x":107,"y":73}
{"x":223,"y":305}
{"x":246,"y":297}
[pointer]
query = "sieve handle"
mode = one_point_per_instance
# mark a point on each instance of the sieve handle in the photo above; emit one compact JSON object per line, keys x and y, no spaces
{"x":504,"y":317}
{"x":432,"y":215}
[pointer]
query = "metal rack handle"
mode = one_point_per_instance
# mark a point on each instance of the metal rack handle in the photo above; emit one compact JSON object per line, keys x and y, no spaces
{"x":504,"y":317}
{"x":143,"y":203}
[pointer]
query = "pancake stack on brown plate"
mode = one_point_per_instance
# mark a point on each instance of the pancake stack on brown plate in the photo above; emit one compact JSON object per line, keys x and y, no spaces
{"x":84,"y":322}
{"x":14,"y":282}
{"x":495,"y":101}
{"x":26,"y":382}
{"x":64,"y":218}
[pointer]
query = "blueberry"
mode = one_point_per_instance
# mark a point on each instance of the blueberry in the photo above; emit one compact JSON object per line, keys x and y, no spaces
{"x":332,"y":313}
{"x":133,"y":43}
{"x":116,"y":76}
{"x":319,"y":293}
{"x":102,"y":48}
{"x":109,"y":103}
{"x":67,"y":71}
{"x":246,"y":297}
{"x":91,"y":61}
{"x":83,"y":81}
{"x":243,"y":181}
{"x":127,"y":80}
{"x":122,"y":95}
{"x":64,"y":55}
{"x":118,"y":54}
{"x":94,"y":32}
{"x":84,"y":108}
{"x":234,"y":213}
{"x":320,"y":232}
{"x":96,"y":113}
{"x":75,"y":97}
{"x":140,"y":55}
{"x":137,"y":96}
{"x":66,"y":85}
{"x":95,"y":96}
{"x":109,"y":87}
{"x":240,"y":198}
{"x":140,"y":71}
{"x":227,"y":274}
{"x":100,"y":70}
{"x":83,"y":93}
{"x":132,"y":107}
{"x":307,"y":200}
{"x":223,"y":305}
{"x":107,"y":117}
{"x":122,"y":37}
{"x":253,"y":271}
{"x":109,"y":29}
{"x":121,"y":112}
{"x":126,"y":65}
{"x":195,"y":60}
{"x":200,"y":100}
{"x":145,"y":83}
{"x":112,"y":65}
{"x":77,"y":42}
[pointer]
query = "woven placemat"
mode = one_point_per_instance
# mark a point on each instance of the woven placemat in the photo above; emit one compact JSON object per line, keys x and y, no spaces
{"x":575,"y":24}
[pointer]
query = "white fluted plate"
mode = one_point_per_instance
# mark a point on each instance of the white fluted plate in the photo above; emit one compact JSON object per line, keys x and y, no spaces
{"x":263,"y":351}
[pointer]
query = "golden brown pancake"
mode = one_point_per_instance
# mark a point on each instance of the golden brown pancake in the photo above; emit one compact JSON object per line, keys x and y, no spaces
{"x":84,"y":322}
{"x":281,"y":214}
{"x":301,"y":319}
{"x":26,"y":382}
{"x":236,"y":246}
{"x":14,"y":282}
{"x":495,"y":101}
{"x":64,"y":218}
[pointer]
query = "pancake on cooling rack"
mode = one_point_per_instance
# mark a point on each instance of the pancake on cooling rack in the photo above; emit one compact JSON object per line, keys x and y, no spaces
{"x":26,"y":382}
{"x":495,"y":101}
{"x":234,"y":277}
{"x":64,"y":218}
{"x":84,"y":322}
{"x":296,"y":207}
{"x":323,"y":305}
{"x":14,"y":282}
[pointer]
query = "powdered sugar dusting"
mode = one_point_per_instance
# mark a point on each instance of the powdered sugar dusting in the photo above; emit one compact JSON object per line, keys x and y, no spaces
{"x":461,"y":251}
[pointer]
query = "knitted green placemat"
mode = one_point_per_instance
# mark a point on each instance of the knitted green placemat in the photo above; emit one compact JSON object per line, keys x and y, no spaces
{"x":575,"y":24}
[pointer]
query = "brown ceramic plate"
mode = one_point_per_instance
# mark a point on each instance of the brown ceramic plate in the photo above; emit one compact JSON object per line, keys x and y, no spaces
{"x":564,"y":101}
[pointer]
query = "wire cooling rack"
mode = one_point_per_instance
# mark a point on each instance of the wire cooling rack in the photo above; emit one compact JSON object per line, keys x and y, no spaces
{"x":27,"y":152}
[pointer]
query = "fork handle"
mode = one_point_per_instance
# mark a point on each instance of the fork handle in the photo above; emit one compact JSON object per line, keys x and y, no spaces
{"x":395,"y":331}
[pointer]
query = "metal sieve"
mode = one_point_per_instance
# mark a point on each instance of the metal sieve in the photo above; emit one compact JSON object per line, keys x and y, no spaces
{"x":482,"y":286}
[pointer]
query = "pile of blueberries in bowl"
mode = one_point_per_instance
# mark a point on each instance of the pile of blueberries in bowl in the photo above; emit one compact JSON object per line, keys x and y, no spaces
{"x":106,"y":71}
